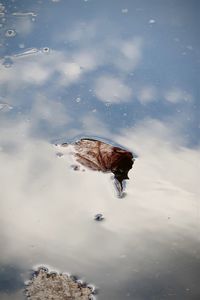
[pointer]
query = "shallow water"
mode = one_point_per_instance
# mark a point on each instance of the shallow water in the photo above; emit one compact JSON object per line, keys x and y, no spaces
{"x":124,"y":72}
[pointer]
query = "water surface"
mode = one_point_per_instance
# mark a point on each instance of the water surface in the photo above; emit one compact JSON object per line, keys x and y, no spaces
{"x":125,"y":72}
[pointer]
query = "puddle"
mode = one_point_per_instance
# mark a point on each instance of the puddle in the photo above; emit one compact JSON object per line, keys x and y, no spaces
{"x":114,"y":73}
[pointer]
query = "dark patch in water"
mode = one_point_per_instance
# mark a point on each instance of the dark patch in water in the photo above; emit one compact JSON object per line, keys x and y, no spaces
{"x":10,"y":279}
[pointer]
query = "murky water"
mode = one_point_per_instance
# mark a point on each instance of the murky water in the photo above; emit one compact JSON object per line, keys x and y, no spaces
{"x":125,"y":72}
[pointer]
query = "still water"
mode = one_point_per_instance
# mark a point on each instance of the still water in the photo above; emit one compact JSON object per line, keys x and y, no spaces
{"x":124,"y":72}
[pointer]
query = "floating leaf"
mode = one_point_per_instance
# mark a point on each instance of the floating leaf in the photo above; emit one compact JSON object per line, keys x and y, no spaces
{"x":100,"y":156}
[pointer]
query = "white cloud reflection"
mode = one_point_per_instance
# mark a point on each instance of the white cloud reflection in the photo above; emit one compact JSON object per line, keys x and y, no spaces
{"x":50,"y":110}
{"x":47,"y":208}
{"x":147,"y":94}
{"x":176,"y":95}
{"x":112,"y":89}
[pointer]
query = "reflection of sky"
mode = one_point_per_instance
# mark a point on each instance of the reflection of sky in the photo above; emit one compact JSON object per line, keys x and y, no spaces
{"x":126,"y":71}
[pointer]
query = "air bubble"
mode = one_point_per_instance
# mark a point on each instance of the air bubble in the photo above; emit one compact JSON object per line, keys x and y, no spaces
{"x":10,"y":33}
{"x":93,"y":289}
{"x":99,"y":217}
{"x":124,"y":10}
{"x":78,"y":99}
{"x":152,"y":21}
{"x":21,"y":46}
{"x":46,"y":50}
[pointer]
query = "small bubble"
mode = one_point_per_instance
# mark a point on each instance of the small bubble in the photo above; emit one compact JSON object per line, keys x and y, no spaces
{"x":21,"y":46}
{"x":10,"y":33}
{"x":5,"y":107}
{"x":98,"y":217}
{"x":78,"y":99}
{"x":94,"y":110}
{"x":108,"y":104}
{"x":45,"y":49}
{"x":93,"y":289}
{"x":152,"y":21}
{"x":124,"y":10}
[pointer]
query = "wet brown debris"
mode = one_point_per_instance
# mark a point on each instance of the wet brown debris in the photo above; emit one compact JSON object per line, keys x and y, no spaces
{"x":53,"y":286}
{"x":100,"y":156}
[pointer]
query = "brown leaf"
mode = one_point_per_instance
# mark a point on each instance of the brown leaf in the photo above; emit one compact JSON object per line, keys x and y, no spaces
{"x":100,"y":156}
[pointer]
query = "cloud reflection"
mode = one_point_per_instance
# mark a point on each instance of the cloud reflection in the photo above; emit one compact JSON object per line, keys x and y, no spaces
{"x":125,"y":73}
{"x":47,"y":215}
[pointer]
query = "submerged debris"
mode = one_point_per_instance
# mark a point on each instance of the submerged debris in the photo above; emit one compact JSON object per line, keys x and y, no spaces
{"x":99,"y":156}
{"x":53,"y":286}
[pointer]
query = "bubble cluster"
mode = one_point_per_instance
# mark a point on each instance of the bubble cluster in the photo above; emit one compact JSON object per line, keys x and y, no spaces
{"x":21,"y":46}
